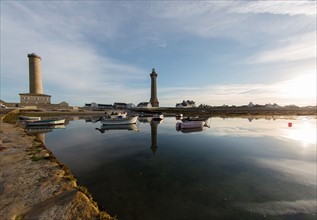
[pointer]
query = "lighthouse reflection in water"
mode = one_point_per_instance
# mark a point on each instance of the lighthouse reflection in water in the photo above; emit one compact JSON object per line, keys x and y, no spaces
{"x":251,"y":168}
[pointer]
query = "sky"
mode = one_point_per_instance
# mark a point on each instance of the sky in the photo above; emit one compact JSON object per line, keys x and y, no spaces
{"x":211,"y":52}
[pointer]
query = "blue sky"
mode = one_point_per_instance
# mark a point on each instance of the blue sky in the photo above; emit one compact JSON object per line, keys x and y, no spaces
{"x":212,"y":52}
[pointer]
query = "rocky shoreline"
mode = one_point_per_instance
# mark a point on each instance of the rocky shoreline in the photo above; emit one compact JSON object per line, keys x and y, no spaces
{"x":35,"y":185}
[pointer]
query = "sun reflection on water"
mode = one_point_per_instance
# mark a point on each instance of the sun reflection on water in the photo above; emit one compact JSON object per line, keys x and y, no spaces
{"x":303,"y":131}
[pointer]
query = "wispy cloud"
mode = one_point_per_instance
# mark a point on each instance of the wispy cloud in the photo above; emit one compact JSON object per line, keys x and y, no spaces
{"x":293,"y":49}
{"x":276,"y":7}
{"x":241,"y":94}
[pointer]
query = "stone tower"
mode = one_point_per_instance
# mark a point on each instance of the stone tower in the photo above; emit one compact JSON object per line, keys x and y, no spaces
{"x":35,"y":97}
{"x":154,"y":101}
{"x":35,"y":74}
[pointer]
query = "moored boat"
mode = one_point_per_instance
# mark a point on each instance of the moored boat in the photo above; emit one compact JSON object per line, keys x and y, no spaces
{"x":46,"y":122}
{"x":119,"y":121}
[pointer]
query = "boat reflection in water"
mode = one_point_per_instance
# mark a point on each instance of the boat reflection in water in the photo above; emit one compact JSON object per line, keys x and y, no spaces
{"x":93,"y":119}
{"x":190,"y":125}
{"x":39,"y":131}
{"x":143,"y":119}
{"x":129,"y":127}
{"x":189,"y":130}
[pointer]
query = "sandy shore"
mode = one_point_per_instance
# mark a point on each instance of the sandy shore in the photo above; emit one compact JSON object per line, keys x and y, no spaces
{"x":34,"y":185}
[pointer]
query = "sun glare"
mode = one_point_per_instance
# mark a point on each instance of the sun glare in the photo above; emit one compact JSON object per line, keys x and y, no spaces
{"x":301,"y":87}
{"x":304,"y":132}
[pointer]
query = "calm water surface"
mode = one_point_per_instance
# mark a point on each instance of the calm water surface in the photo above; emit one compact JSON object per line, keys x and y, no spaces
{"x":234,"y":169}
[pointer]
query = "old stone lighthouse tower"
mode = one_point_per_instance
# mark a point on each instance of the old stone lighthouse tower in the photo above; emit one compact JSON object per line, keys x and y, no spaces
{"x":35,"y":74}
{"x":154,"y":101}
{"x":35,"y":96}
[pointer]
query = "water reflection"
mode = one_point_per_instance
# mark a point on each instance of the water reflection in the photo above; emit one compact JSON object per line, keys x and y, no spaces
{"x":143,"y":119}
{"x":189,"y":130}
{"x":39,"y":131}
{"x":234,"y":168}
{"x":301,"y":131}
{"x":190,"y":124}
{"x":129,"y":127}
{"x":154,"y":125}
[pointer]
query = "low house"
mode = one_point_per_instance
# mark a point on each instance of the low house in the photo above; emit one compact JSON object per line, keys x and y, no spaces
{"x":144,"y":105}
{"x":250,"y":105}
{"x":272,"y":105}
{"x":119,"y":105}
{"x":105,"y":106}
{"x":95,"y":105}
{"x":186,"y":104}
{"x":130,"y":105}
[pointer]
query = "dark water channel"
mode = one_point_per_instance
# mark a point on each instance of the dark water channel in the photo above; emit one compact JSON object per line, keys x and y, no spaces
{"x":234,"y":169}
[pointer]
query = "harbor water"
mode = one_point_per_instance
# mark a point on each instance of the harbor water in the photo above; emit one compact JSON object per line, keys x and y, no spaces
{"x":233,"y":168}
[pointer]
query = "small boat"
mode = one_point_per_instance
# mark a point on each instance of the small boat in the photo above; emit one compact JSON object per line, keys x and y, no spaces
{"x":119,"y":121}
{"x":190,"y":124}
{"x":158,"y":117}
{"x":46,"y":122}
{"x":29,"y":118}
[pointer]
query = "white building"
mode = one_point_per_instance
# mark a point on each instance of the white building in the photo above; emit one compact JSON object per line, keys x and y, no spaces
{"x":186,"y":104}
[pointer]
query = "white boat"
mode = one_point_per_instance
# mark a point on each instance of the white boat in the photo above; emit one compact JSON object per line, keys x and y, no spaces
{"x":158,"y":117}
{"x":119,"y":121}
{"x":46,"y":122}
{"x":190,"y":124}
{"x":29,"y":118}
